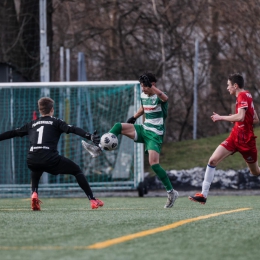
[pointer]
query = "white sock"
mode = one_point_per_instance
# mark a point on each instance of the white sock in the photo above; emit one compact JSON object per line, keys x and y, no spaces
{"x":208,"y":178}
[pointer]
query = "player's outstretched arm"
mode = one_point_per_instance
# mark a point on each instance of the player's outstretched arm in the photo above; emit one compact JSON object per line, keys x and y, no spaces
{"x":7,"y":135}
{"x":95,"y":138}
{"x":19,"y":132}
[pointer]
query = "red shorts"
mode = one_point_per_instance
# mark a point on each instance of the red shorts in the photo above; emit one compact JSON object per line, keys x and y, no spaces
{"x":248,"y":150}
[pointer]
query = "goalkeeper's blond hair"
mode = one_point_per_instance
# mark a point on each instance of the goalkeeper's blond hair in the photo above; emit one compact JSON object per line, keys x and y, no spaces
{"x":45,"y":105}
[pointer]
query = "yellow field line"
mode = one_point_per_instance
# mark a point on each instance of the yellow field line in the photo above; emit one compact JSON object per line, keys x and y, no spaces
{"x":122,"y":239}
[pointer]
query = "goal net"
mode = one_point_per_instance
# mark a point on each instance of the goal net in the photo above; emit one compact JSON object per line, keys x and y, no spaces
{"x":88,"y":105}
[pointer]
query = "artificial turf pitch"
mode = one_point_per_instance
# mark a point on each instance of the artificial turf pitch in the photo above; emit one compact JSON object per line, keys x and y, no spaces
{"x":227,"y":227}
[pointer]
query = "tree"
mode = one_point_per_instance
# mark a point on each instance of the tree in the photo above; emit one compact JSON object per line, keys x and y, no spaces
{"x":121,"y":39}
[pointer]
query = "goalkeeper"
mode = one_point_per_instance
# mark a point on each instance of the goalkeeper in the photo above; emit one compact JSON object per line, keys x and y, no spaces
{"x":154,"y":105}
{"x":44,"y":134}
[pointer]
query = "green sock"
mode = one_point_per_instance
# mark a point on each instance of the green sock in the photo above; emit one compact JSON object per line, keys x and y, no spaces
{"x":116,"y":129}
{"x":162,"y":175}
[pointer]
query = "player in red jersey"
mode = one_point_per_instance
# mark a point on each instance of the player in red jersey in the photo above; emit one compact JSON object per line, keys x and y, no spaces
{"x":241,"y":138}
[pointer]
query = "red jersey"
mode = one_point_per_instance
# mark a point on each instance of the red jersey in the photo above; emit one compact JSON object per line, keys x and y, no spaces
{"x":243,"y":131}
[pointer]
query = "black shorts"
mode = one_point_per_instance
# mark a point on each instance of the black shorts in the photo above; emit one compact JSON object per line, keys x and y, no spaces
{"x":50,"y":161}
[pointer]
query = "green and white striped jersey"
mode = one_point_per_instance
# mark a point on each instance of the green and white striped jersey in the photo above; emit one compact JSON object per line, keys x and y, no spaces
{"x":155,"y":113}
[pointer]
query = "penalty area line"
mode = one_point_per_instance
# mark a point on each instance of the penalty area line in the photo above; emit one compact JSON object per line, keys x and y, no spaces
{"x":122,"y":239}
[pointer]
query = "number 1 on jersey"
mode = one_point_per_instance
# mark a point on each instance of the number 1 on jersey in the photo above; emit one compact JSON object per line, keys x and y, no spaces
{"x":40,"y":130}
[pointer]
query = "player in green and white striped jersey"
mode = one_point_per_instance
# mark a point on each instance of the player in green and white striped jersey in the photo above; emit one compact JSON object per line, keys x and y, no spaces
{"x":154,"y":105}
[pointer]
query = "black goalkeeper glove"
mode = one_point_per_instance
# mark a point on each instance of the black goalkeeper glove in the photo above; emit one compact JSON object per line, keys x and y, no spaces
{"x":95,"y":138}
{"x":131,"y":120}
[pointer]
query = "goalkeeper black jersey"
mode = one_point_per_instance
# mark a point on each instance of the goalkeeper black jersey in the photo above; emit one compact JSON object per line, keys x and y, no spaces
{"x":44,"y":132}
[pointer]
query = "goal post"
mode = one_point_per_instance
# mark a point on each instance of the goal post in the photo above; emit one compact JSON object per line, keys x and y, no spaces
{"x":88,"y":105}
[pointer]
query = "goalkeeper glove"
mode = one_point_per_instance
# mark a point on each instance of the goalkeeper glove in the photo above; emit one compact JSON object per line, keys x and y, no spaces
{"x":95,"y":138}
{"x":131,"y":120}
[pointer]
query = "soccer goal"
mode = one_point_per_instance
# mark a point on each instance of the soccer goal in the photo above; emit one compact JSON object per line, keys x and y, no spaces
{"x":89,"y":105}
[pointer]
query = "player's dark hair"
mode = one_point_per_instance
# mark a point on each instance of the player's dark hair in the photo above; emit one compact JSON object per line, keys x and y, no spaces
{"x":45,"y":104}
{"x":147,"y":78}
{"x":236,"y":78}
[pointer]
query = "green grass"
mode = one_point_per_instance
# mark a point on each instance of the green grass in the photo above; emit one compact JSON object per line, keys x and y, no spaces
{"x":65,"y":224}
{"x":196,"y":153}
{"x":65,"y":228}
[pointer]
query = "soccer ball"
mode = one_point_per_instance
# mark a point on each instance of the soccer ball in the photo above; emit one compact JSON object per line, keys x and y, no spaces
{"x":109,"y":141}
